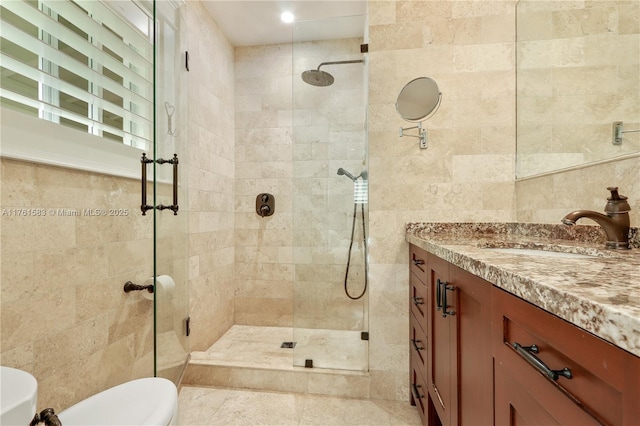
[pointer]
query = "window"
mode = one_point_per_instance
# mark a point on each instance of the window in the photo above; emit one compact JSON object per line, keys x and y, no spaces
{"x":81,"y":64}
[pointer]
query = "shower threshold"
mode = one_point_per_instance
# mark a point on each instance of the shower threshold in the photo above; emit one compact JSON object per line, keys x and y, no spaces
{"x":259,"y":346}
{"x":251,"y":357}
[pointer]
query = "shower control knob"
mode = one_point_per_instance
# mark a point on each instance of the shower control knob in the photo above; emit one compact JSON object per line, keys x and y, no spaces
{"x":265,"y":204}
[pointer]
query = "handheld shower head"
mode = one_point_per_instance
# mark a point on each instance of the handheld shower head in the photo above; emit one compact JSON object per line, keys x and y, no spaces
{"x":342,"y":171}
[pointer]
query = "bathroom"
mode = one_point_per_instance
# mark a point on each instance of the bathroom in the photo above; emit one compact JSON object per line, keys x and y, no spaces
{"x":65,"y":318}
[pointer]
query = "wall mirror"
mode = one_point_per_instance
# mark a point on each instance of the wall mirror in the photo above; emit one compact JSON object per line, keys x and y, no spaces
{"x":417,"y":101}
{"x":578,"y":73}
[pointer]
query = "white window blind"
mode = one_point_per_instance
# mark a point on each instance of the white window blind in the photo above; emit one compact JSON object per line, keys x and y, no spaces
{"x":84,"y":64}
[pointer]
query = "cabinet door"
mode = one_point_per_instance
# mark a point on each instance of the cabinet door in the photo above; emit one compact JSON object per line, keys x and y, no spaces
{"x":442,"y":370}
{"x":475,"y":360}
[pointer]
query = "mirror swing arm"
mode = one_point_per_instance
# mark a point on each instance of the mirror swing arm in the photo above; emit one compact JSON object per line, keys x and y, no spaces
{"x":422,"y":134}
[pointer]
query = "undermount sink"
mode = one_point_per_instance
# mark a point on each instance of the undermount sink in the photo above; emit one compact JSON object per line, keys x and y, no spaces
{"x":542,"y":253}
{"x":18,"y":396}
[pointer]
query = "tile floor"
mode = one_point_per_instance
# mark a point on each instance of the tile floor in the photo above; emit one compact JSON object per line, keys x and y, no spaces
{"x":218,"y":406}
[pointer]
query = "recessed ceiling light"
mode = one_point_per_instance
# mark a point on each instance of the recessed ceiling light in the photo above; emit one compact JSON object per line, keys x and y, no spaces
{"x":287,"y":17}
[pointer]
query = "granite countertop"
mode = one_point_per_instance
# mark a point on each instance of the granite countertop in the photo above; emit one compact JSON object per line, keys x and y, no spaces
{"x":600,"y":294}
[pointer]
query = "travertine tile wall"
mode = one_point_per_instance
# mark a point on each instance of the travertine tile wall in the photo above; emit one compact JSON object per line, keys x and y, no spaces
{"x":578,"y":72}
{"x":263,"y":156}
{"x":65,"y":318}
{"x":467,"y":172}
{"x":291,"y":144}
{"x":211,"y":178}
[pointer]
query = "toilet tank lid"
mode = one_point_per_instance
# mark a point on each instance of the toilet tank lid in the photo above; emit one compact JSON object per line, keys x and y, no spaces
{"x":148,"y":401}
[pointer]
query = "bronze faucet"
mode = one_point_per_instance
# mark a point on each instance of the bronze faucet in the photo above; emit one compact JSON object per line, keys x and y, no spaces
{"x":615,"y":223}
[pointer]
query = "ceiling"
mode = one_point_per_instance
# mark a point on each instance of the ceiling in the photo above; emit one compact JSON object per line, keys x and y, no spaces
{"x":255,"y":23}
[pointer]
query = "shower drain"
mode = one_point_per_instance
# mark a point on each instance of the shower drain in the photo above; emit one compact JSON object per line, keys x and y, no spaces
{"x":288,"y":345}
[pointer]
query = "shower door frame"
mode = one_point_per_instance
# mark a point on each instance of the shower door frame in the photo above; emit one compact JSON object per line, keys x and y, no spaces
{"x":171,"y":306}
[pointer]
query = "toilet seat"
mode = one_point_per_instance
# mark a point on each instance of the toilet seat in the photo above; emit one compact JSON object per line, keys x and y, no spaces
{"x":148,"y":401}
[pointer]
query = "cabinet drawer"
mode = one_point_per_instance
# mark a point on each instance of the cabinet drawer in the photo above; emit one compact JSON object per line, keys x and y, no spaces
{"x":601,"y":375}
{"x":419,"y":394}
{"x":418,"y":345}
{"x":519,"y":405}
{"x":418,"y":262}
{"x":418,"y":300}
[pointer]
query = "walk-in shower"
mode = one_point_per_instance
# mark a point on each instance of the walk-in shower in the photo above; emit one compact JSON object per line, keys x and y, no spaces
{"x":330,"y":210}
{"x":290,"y":306}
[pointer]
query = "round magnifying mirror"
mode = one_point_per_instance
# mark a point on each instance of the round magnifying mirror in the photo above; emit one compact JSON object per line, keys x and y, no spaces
{"x":418,"y":98}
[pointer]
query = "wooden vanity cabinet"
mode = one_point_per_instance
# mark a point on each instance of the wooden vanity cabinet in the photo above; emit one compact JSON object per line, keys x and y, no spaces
{"x":466,"y":369}
{"x":604,"y":387}
{"x":456,"y":324}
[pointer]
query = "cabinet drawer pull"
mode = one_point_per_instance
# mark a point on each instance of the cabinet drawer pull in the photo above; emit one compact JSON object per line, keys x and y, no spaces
{"x":527,"y":352}
{"x":418,"y":262}
{"x":417,"y":301}
{"x":439,"y":294}
{"x":415,"y":345}
{"x":416,"y":391}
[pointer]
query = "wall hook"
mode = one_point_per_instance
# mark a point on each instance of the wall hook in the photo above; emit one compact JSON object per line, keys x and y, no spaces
{"x":170,"y":111}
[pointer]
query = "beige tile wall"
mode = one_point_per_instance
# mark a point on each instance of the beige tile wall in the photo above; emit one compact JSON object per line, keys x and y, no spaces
{"x":211,"y":178}
{"x":65,"y":317}
{"x":467,"y":172}
{"x":263,"y":157}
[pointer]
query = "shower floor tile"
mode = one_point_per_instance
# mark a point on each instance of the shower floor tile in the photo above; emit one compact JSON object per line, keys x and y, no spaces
{"x":259,"y":347}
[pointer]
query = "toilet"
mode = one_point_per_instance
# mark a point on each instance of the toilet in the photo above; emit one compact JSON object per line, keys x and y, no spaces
{"x":148,"y":401}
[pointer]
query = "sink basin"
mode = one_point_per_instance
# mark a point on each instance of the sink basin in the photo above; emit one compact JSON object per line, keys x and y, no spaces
{"x":18,"y":395}
{"x":542,"y":253}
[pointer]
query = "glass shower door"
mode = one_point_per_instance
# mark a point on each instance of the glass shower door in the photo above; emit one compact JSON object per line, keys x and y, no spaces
{"x":330,"y":209}
{"x":170,"y":190}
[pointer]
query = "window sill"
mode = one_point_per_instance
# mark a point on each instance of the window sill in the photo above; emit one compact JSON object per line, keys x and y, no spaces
{"x":31,"y":139}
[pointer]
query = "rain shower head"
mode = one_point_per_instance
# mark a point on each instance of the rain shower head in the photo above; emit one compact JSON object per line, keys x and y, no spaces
{"x":317,"y":78}
{"x":320,"y":78}
{"x":342,"y":171}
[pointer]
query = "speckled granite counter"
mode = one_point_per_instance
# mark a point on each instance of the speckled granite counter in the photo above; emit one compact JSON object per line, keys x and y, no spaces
{"x":600,"y":294}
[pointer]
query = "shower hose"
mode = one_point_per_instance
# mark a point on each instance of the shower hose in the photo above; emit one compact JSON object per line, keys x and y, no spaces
{"x":364,"y":240}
